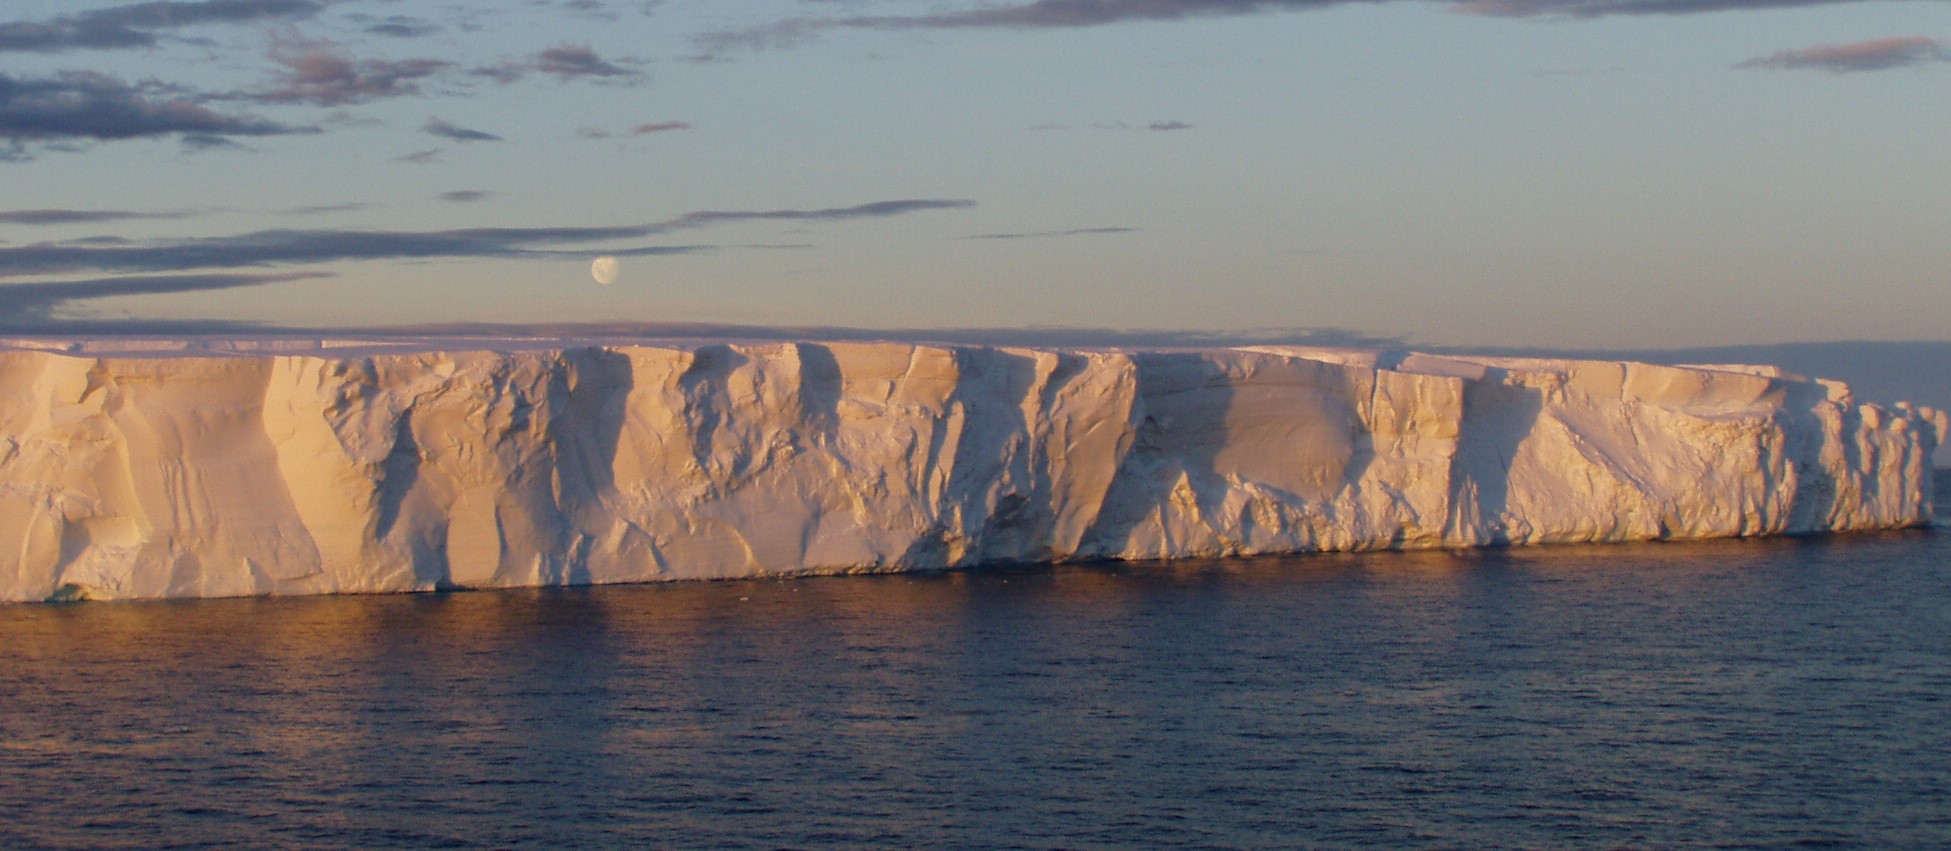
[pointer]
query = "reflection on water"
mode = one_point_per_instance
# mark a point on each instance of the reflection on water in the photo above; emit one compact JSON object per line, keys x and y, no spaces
{"x":1748,"y":692}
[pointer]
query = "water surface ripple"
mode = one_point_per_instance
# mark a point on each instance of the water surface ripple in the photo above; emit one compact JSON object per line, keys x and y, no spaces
{"x":1719,"y":694}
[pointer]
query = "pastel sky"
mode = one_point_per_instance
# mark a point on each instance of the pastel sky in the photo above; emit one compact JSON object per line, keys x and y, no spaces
{"x":1590,"y":173}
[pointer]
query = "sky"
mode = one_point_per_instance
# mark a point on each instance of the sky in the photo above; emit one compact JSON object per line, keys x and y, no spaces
{"x":1525,"y":173}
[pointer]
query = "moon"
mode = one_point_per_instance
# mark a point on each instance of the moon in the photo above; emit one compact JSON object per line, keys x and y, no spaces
{"x":604,"y":270}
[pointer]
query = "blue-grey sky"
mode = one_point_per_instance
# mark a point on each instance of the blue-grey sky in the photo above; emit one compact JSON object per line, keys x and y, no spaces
{"x":1589,"y":173}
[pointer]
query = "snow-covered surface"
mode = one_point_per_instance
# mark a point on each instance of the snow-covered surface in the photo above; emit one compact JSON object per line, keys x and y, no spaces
{"x":202,"y":468}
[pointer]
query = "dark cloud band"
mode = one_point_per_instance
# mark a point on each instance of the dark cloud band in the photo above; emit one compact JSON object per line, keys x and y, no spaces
{"x":40,"y":302}
{"x":276,"y":247}
{"x":134,"y":25}
{"x":446,"y":130}
{"x":1052,"y":233}
{"x":86,"y":106}
{"x":1062,"y":14}
{"x":77,"y":217}
{"x":874,"y":210}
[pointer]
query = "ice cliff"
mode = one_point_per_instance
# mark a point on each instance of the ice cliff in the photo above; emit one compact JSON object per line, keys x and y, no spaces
{"x":202,"y":470}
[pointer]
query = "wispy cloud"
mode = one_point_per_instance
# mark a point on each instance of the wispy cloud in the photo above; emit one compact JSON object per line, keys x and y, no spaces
{"x":877,"y":209}
{"x":426,"y":157}
{"x":1607,"y":8}
{"x":199,"y":142}
{"x":321,"y":73}
{"x":275,"y":247}
{"x":1042,"y":14}
{"x":86,"y":106}
{"x":1050,"y":233}
{"x":1153,"y":126}
{"x":578,"y":61}
{"x":446,"y":130}
{"x":1066,"y":14}
{"x":135,"y":25}
{"x":564,"y":62}
{"x":1875,"y":55}
{"x":398,"y":26}
{"x":270,"y":247}
{"x":639,"y":130}
{"x":323,"y":209}
{"x":31,"y":304}
{"x":464,"y":196}
{"x":592,"y":9}
{"x":80,"y":217}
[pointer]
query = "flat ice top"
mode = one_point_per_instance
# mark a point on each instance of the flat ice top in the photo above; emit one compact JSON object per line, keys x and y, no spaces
{"x":224,"y":346}
{"x":1395,"y":360}
{"x":218,"y":346}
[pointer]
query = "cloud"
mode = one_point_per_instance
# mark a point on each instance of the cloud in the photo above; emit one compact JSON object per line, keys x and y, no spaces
{"x":876,"y":209}
{"x":1606,"y":8}
{"x":564,"y":62}
{"x":198,"y":142}
{"x":426,"y":157}
{"x":293,"y":247}
{"x":271,"y":247}
{"x":31,"y":304}
{"x":1155,"y":126}
{"x":1876,"y":55}
{"x":83,"y":105}
{"x":572,"y":61}
{"x":1066,"y":14}
{"x":78,"y":217}
{"x":464,"y":196}
{"x":321,"y":74}
{"x":321,"y":209}
{"x":591,"y":9}
{"x":1050,"y":233}
{"x":398,"y":26}
{"x":446,"y":130}
{"x":1042,"y":14}
{"x":639,"y":130}
{"x":134,"y":25}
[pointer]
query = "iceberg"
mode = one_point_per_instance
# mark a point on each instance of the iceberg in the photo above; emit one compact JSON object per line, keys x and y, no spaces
{"x":207,"y":468}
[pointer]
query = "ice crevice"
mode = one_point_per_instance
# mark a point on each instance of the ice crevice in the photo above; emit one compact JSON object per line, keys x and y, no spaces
{"x":328,"y":466}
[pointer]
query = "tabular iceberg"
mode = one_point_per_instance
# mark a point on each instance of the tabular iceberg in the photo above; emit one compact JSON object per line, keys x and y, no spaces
{"x":203,"y":469}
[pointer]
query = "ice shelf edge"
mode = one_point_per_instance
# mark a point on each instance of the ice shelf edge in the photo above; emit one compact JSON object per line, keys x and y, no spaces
{"x":176,"y":471}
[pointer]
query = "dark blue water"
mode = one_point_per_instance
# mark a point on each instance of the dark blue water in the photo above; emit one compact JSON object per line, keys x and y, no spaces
{"x":1721,"y":694}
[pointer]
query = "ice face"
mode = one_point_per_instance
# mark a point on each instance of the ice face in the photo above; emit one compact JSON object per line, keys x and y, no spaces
{"x":179,"y":470}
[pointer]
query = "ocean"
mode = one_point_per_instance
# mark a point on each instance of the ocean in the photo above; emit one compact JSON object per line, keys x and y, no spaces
{"x":1728,"y":694}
